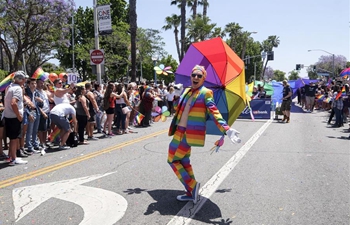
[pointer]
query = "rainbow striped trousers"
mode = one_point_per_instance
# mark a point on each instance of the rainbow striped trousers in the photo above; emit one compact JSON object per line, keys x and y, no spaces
{"x":179,"y":159}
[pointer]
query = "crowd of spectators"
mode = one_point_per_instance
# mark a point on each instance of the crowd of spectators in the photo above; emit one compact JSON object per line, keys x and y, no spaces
{"x":31,"y":110}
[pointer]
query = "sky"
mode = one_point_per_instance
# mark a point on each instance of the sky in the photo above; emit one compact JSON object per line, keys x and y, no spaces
{"x":301,"y":25}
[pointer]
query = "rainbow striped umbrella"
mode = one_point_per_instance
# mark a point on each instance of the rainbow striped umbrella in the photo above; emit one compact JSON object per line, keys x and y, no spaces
{"x":225,"y":77}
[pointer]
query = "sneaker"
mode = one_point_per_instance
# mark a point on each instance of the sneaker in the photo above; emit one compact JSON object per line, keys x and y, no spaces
{"x":65,"y":147}
{"x":17,"y":161}
{"x":129,"y":128}
{"x":195,"y":193}
{"x":3,"y":156}
{"x":184,"y":198}
{"x":20,"y":153}
{"x":38,"y":148}
{"x":92,"y":139}
{"x":33,"y":151}
{"x":111,"y":134}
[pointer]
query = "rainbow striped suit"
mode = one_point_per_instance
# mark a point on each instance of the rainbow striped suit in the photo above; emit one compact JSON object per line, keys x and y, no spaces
{"x":202,"y":106}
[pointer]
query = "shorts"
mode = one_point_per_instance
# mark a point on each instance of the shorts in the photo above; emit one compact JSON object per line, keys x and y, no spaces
{"x":13,"y":128}
{"x":286,"y":105}
{"x":310,"y":100}
{"x":92,"y":116}
{"x":61,"y":122}
{"x":110,"y":110}
{"x":44,"y":123}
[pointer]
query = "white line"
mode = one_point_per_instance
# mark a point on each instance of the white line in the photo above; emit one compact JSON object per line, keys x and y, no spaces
{"x":185,"y":215}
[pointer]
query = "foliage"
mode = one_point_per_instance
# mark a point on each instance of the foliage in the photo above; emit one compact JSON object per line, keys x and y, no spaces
{"x":200,"y":28}
{"x":278,"y":75}
{"x":20,"y":26}
{"x":3,"y":74}
{"x":325,"y":64}
{"x":293,"y":75}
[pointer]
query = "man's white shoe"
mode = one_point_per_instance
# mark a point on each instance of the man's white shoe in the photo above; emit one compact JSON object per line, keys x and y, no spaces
{"x":43,"y":152}
{"x":18,"y":161}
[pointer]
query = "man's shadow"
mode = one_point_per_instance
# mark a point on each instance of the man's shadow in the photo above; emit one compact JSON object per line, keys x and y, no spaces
{"x":166,"y":204}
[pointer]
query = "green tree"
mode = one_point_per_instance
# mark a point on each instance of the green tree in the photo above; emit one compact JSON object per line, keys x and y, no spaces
{"x":233,"y":30}
{"x":268,"y":45}
{"x":173,"y":22}
{"x":200,"y":28}
{"x":31,"y":25}
{"x":293,"y":75}
{"x":205,"y":4}
{"x":278,"y":75}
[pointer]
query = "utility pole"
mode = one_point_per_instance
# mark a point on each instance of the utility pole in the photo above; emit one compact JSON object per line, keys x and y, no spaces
{"x":73,"y":59}
{"x":97,"y":41}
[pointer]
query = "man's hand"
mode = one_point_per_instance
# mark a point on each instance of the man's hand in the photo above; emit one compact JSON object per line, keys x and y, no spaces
{"x":233,"y":135}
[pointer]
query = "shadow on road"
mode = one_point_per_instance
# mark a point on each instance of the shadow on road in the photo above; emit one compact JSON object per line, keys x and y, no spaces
{"x":166,"y":204}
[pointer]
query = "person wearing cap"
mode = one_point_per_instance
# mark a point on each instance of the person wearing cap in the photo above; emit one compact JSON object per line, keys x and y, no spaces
{"x":13,"y":114}
{"x":188,"y":129}
{"x":286,"y":101}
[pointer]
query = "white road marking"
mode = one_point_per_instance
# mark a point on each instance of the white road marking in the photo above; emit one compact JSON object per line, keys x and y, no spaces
{"x":96,"y":202}
{"x":185,"y":215}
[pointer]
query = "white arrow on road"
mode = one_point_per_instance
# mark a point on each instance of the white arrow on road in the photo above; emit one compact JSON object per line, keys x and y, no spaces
{"x":100,"y":206}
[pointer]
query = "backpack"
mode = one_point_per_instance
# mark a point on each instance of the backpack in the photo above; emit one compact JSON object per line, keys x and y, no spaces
{"x":106,"y":104}
{"x":72,"y":140}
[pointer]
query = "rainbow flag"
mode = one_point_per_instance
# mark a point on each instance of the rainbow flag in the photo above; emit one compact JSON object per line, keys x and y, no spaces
{"x":320,"y":97}
{"x":55,"y":135}
{"x":139,"y":117}
{"x":39,"y":74}
{"x":137,"y":95}
{"x":6,"y":82}
{"x":341,"y":93}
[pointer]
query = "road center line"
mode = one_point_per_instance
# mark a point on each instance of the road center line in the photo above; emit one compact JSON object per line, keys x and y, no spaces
{"x":35,"y":173}
{"x":185,"y":215}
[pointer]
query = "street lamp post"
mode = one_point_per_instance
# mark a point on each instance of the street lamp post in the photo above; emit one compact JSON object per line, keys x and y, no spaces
{"x":327,"y":53}
{"x":155,"y":59}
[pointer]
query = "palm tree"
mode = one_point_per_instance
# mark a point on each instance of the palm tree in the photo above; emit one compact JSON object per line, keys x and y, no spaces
{"x":233,"y":30}
{"x":133,"y":34}
{"x":205,"y":5}
{"x":173,"y":21}
{"x":200,"y":28}
{"x":268,"y":45}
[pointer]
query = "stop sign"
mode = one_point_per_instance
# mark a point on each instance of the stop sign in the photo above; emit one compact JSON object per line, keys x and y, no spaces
{"x":96,"y":56}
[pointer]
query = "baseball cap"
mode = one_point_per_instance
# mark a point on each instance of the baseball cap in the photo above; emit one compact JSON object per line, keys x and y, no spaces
{"x":20,"y":75}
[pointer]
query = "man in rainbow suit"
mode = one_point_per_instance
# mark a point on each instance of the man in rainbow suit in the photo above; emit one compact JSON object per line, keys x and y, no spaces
{"x":188,"y":128}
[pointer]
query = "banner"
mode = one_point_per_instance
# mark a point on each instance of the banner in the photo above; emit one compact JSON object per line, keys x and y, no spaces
{"x":104,"y":19}
{"x":261,"y":109}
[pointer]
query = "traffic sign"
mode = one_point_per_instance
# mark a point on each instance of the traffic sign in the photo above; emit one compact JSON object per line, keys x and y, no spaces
{"x":97,"y":56}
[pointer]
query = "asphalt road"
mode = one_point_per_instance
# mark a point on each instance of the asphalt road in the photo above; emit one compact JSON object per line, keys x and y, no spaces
{"x":296,"y":173}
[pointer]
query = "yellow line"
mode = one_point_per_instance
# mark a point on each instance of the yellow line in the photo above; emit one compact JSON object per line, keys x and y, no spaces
{"x":30,"y":175}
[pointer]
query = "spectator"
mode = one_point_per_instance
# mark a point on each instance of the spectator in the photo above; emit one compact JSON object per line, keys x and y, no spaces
{"x":93,"y":110}
{"x":13,"y":114}
{"x":286,"y":101}
{"x":83,"y":113}
{"x":310,"y":92}
{"x":59,"y":117}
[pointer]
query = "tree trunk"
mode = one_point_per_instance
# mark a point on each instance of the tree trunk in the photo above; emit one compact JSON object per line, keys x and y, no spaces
{"x":176,"y":32}
{"x":183,"y":28}
{"x":194,"y":8}
{"x":133,"y":32}
{"x":205,"y":9}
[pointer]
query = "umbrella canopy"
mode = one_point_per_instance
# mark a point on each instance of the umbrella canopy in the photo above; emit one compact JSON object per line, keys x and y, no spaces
{"x":225,"y":76}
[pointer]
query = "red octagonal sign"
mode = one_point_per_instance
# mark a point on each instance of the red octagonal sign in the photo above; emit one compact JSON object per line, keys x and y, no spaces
{"x":96,"y":57}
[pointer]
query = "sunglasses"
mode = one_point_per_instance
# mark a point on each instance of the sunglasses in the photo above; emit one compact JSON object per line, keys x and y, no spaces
{"x":198,"y":75}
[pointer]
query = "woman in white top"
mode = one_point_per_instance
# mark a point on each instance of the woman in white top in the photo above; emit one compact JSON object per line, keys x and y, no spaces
{"x":61,"y":95}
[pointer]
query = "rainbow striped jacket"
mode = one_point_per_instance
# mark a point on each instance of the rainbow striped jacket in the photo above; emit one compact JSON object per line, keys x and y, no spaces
{"x":201,"y":107}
